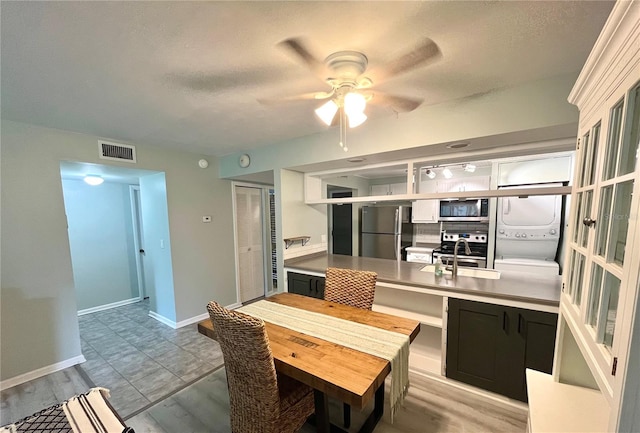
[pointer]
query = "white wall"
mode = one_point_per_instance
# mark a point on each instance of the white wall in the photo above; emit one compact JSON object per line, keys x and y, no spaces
{"x":158,"y":266}
{"x":38,"y":310}
{"x":299,"y":219}
{"x":101,"y":241}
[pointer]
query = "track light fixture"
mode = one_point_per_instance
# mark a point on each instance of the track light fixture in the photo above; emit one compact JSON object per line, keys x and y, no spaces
{"x":431,"y":173}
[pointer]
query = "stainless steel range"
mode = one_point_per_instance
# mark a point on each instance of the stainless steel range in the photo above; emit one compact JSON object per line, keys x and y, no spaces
{"x":477,"y":244}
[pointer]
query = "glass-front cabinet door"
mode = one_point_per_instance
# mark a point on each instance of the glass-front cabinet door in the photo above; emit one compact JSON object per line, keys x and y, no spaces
{"x":605,"y":201}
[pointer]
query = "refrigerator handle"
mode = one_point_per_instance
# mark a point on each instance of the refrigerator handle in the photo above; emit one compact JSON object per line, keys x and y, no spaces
{"x":398,"y":231}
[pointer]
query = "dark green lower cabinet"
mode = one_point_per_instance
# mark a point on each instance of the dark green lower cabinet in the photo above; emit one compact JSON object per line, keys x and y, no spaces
{"x":490,"y":346}
{"x":307,"y":285}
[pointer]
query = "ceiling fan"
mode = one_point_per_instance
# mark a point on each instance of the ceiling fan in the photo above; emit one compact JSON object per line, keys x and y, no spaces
{"x":351,"y":82}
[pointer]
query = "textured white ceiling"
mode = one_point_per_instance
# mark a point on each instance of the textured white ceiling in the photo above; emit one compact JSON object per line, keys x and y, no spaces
{"x":187,"y":74}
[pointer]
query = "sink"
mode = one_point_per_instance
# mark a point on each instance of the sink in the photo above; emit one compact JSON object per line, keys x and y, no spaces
{"x":490,"y":274}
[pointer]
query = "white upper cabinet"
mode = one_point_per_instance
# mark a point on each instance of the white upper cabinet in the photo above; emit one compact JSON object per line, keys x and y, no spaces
{"x":425,"y":211}
{"x":395,"y":188}
{"x":531,"y":171}
{"x":474,"y":183}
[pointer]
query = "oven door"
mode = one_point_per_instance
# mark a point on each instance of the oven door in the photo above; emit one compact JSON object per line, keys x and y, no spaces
{"x":467,"y":261}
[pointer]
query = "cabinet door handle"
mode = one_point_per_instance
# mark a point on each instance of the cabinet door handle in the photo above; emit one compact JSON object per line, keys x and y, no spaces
{"x":520,"y":324}
{"x":505,"y":321}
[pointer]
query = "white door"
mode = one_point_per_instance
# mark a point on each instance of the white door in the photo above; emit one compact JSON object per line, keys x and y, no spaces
{"x":138,"y":238}
{"x":249,"y":236}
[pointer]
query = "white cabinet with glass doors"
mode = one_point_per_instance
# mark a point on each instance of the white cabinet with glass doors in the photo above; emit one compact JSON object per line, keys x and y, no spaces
{"x":600,"y":284}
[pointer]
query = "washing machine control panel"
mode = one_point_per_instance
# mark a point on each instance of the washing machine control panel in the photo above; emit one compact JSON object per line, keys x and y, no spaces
{"x":528,"y":234}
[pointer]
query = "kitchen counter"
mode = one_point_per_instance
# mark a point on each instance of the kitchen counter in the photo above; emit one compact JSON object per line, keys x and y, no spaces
{"x":512,"y":286}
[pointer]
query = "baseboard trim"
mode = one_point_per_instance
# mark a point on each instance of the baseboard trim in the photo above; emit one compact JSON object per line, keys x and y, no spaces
{"x":26,"y":377}
{"x":192,"y":320}
{"x":108,"y":306}
{"x":189,"y":321}
{"x":160,"y":318}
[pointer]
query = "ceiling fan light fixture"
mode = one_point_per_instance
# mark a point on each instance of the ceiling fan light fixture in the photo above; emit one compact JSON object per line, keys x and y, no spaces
{"x":354,"y":103}
{"x":356,"y":119}
{"x":327,"y":112}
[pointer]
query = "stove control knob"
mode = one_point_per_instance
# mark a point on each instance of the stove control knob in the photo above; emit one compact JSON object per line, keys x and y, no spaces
{"x":524,"y":235}
{"x":482,"y":238}
{"x":517,"y":235}
{"x":501,"y":231}
{"x":552,"y":231}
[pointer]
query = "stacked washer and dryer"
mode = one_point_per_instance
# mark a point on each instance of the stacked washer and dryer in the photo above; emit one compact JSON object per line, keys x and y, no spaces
{"x":528,"y":233}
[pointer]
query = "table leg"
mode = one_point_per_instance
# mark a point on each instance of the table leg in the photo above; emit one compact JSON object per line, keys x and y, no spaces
{"x":378,"y":409}
{"x":321,"y":405}
{"x":321,"y":416}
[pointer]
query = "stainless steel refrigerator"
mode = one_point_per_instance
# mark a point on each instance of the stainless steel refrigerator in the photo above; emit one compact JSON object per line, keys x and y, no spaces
{"x":385,"y":231}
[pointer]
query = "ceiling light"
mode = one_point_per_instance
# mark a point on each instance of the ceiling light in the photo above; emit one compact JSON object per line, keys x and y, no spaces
{"x":93,"y":179}
{"x":470,"y":168}
{"x":349,"y":106}
{"x":354,"y":103}
{"x":327,"y":112}
{"x":458,"y":145}
{"x":447,"y":173}
{"x":356,"y":119}
{"x":430,"y":174}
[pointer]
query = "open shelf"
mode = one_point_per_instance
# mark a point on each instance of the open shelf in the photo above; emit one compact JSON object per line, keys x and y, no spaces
{"x":424,"y":319}
{"x":290,"y":241}
{"x":424,"y":363}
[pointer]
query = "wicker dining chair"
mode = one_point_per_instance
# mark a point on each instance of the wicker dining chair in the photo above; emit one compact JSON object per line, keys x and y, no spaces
{"x":353,"y":288}
{"x":349,"y":287}
{"x":261,"y":401}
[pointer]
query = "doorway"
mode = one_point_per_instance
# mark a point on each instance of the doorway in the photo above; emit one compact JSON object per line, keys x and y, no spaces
{"x":341,"y":224}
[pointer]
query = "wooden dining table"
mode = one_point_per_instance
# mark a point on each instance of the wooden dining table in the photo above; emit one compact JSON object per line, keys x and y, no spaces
{"x":332,"y":370}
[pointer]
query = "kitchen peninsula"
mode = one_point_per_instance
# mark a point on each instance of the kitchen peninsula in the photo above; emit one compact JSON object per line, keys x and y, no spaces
{"x":538,"y":293}
{"x":460,"y":318}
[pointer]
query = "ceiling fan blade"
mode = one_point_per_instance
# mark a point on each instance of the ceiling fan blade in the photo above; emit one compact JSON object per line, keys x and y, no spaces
{"x":298,"y":48}
{"x":425,"y":52}
{"x":399,"y":104}
{"x":294,"y":98}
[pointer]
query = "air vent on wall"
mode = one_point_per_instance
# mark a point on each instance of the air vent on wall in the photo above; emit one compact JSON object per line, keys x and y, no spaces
{"x":117,"y":152}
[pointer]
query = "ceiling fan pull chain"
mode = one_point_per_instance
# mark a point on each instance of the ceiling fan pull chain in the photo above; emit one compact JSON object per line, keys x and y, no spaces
{"x":343,"y":129}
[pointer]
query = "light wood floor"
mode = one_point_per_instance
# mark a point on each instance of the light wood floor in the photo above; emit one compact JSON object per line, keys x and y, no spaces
{"x":429,"y":407}
{"x":30,"y":397}
{"x":203,"y":407}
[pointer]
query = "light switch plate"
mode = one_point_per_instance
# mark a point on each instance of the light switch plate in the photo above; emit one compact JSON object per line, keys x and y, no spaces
{"x":206,"y":219}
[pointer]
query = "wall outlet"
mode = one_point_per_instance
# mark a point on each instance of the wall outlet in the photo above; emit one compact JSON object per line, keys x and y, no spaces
{"x":162,"y":243}
{"x":206,"y":219}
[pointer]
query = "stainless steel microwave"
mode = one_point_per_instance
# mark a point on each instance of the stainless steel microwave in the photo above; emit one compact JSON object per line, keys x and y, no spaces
{"x":465,"y":210}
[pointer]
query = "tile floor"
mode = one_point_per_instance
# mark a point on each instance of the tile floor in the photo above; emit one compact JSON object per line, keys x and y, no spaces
{"x":141,"y":360}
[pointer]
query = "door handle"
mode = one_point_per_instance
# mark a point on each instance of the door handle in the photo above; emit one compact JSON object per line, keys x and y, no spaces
{"x":508,"y":210}
{"x":588,"y":222}
{"x":141,"y":251}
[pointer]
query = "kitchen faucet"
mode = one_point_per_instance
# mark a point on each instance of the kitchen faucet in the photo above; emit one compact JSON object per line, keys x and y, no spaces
{"x":467,"y":251}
